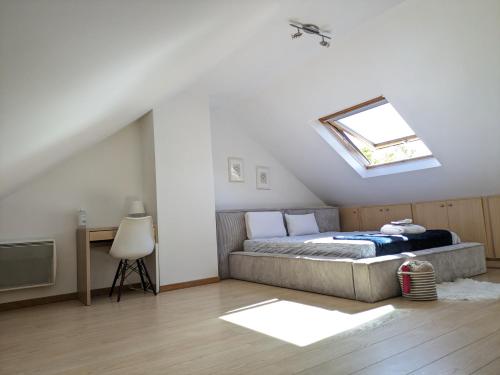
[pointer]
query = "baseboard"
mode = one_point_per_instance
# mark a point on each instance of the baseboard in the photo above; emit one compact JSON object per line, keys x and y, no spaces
{"x":189,"y":284}
{"x":97,"y":292}
{"x":105,"y":291}
{"x":57,"y":298}
{"x":37,"y":301}
{"x":492,"y":263}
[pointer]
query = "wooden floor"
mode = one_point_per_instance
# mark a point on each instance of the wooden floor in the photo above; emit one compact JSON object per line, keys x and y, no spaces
{"x":180,"y":332}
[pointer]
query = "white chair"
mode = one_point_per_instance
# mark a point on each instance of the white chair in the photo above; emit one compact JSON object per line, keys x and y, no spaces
{"x":133,"y":241}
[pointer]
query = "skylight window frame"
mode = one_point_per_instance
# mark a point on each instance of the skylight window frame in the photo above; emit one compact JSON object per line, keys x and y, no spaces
{"x":339,"y":131}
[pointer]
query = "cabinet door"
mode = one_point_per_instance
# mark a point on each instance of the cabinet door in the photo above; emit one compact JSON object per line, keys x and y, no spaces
{"x":466,"y":218}
{"x":491,"y":206}
{"x":397,"y":212}
{"x":372,"y":218}
{"x":349,"y":219}
{"x":431,"y":215}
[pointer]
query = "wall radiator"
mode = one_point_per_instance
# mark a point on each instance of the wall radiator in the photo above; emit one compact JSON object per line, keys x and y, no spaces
{"x":27,"y":264}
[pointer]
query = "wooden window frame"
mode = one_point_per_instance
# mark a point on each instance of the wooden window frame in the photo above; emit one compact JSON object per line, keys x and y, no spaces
{"x":340,"y":132}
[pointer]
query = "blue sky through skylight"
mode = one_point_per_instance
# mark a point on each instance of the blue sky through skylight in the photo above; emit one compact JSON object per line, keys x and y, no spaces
{"x":379,"y":124}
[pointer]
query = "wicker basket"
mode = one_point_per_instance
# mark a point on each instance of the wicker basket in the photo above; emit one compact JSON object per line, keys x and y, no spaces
{"x":422,"y":285}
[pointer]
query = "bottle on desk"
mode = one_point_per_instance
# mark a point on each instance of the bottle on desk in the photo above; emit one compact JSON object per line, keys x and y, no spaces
{"x":82,"y":218}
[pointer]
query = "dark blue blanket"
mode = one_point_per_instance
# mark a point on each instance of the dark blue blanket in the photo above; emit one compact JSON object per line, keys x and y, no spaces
{"x":394,"y":244}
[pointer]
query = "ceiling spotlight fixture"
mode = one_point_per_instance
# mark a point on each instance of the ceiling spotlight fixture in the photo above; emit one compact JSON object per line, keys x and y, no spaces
{"x":297,"y":34}
{"x":323,"y":42}
{"x":311,"y":29}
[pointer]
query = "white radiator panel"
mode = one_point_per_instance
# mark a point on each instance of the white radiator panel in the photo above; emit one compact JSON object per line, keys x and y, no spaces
{"x":27,"y":264}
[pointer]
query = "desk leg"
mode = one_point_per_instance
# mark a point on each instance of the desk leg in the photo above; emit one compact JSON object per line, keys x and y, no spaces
{"x":83,"y":265}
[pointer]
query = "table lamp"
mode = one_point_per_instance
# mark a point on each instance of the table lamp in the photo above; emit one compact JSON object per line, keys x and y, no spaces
{"x":136,"y":209}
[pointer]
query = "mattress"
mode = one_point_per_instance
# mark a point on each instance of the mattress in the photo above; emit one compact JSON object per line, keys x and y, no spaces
{"x":320,"y":244}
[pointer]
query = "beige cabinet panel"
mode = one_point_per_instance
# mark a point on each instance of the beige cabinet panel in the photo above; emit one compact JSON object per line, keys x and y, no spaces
{"x":432,"y":215}
{"x":398,"y":212}
{"x":349,"y":219}
{"x":492,"y":214}
{"x":372,"y":218}
{"x":466,"y":218}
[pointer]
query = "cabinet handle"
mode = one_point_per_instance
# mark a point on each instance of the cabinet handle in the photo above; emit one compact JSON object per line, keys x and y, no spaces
{"x":442,"y":205}
{"x":450,"y":205}
{"x":381,"y":209}
{"x":386,"y":209}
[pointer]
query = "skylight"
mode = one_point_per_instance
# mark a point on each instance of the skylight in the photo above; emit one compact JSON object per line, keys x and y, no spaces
{"x":376,"y":134}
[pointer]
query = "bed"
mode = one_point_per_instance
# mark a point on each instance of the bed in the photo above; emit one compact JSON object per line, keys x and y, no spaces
{"x":348,"y":270}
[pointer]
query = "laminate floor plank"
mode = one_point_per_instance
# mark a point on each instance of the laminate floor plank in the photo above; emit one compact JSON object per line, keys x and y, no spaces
{"x":468,"y":359}
{"x":465,"y":334}
{"x":338,"y":348}
{"x":407,"y":340}
{"x":181,"y":332}
{"x":491,"y":368}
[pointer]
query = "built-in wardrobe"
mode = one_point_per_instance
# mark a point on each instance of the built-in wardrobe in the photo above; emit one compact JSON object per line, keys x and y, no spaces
{"x":473,"y":219}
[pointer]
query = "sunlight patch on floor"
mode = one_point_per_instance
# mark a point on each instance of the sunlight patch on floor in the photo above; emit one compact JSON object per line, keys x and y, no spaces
{"x":300,"y":324}
{"x":254,"y":305}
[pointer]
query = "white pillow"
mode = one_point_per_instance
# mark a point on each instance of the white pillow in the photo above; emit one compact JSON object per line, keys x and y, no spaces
{"x":301,"y":224}
{"x":265,"y":224}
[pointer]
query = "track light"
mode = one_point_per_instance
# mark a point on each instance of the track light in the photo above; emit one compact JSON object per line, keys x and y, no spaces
{"x":310,"y":29}
{"x":297,"y":34}
{"x":324,"y":43}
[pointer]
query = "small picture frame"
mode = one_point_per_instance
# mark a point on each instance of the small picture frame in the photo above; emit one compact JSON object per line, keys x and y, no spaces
{"x":263,"y":178}
{"x":235,"y":168}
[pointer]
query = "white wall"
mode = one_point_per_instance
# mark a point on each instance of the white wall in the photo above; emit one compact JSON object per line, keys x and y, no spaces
{"x":185,"y":189}
{"x":102,"y":180}
{"x":145,"y":124}
{"x":435,"y":61}
{"x":85,"y":69}
{"x":230,"y":140}
{"x":146,"y":127}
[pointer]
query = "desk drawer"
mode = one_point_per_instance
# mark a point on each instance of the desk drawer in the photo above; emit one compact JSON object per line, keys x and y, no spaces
{"x":102,"y":235}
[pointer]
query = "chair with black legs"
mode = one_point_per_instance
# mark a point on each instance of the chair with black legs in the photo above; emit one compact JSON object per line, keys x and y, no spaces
{"x":133,"y":241}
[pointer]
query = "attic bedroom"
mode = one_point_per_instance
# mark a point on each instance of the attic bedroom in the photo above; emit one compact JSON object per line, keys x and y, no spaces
{"x":249,"y":187}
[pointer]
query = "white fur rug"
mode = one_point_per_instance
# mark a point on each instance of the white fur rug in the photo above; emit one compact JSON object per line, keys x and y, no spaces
{"x":468,"y":290}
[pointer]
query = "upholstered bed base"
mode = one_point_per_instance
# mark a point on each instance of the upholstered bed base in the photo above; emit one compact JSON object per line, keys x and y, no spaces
{"x":368,"y":280}
{"x":231,"y":229}
{"x":312,"y":274}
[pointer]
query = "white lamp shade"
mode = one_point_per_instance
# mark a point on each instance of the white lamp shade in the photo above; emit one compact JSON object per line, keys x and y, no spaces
{"x":136,"y":208}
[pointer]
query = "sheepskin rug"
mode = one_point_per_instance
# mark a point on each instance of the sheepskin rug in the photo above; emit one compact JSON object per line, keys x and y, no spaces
{"x":468,"y":290}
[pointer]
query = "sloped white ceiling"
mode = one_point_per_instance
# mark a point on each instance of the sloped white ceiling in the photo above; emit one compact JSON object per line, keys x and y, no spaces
{"x":437,"y":62}
{"x":73,"y":72}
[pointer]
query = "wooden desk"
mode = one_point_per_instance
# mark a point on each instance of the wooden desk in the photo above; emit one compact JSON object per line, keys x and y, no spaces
{"x":86,"y":239}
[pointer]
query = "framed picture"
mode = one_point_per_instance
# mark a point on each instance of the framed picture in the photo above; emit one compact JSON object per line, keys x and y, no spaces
{"x":236,"y":171}
{"x":263,"y":181}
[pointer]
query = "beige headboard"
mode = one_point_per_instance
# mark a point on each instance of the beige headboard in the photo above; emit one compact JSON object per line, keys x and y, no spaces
{"x":231,"y":229}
